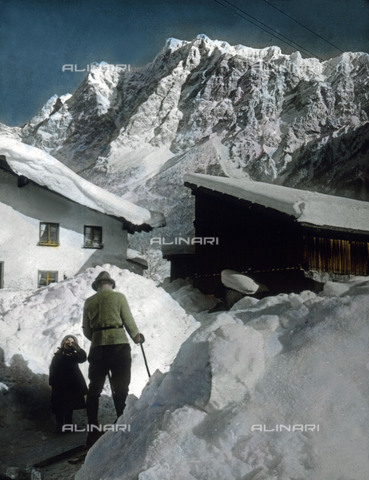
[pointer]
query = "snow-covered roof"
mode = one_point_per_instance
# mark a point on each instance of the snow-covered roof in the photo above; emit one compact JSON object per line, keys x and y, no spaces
{"x":307,"y":207}
{"x":45,"y":170}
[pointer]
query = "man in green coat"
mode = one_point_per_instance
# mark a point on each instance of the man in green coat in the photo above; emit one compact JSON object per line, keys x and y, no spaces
{"x":106,"y":316}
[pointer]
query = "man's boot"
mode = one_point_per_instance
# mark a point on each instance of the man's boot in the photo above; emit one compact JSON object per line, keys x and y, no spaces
{"x":92,"y":407}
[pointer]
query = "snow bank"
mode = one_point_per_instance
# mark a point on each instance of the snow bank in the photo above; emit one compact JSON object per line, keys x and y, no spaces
{"x":34,"y":326}
{"x":240,"y":382}
{"x":190,"y":298}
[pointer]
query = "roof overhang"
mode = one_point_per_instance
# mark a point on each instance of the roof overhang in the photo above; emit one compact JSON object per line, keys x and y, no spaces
{"x":27,"y":162}
{"x":309,"y":209}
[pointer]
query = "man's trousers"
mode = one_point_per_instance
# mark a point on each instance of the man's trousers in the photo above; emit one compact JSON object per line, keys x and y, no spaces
{"x":103,"y":359}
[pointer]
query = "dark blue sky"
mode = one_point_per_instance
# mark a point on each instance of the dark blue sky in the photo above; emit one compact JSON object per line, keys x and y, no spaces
{"x":37,"y":37}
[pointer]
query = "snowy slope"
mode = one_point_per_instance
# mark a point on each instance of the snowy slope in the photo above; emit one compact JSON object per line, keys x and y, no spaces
{"x":291,"y":360}
{"x":34,"y":323}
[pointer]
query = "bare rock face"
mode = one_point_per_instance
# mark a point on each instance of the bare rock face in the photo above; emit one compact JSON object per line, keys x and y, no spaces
{"x":336,"y":163}
{"x":205,"y":106}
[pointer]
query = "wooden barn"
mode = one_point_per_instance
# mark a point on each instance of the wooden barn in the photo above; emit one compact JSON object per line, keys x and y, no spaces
{"x":273,"y":233}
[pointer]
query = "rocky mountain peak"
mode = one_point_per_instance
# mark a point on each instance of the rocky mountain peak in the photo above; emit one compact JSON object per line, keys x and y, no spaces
{"x":247,"y":112}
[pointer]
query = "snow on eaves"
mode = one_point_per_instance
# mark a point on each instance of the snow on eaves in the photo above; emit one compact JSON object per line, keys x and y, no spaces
{"x":43,"y":169}
{"x":307,"y":207}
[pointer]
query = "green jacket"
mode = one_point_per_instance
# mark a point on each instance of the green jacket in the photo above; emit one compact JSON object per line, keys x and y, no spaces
{"x":108,"y":308}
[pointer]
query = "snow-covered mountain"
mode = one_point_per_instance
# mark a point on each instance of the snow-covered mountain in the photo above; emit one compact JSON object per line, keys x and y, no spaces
{"x":206,"y":106}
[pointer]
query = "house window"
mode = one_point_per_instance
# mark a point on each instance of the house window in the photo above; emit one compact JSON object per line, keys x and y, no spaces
{"x":45,"y":277}
{"x":49,"y":234}
{"x":93,"y":237}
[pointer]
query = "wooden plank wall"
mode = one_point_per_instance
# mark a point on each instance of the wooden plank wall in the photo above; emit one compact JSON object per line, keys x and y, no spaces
{"x":250,"y":236}
{"x":258,"y":239}
{"x":334,"y":255}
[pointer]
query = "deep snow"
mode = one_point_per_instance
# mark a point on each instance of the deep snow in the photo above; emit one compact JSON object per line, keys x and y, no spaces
{"x":33,"y":323}
{"x":292,"y":360}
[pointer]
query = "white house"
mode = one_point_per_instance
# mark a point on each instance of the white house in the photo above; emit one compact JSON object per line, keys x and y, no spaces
{"x":54,"y":223}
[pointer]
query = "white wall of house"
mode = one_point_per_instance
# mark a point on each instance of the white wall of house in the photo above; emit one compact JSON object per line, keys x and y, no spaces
{"x":22,"y":210}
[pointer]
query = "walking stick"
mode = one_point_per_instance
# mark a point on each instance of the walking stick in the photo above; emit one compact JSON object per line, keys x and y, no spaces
{"x":112,"y":391}
{"x":143,"y":353}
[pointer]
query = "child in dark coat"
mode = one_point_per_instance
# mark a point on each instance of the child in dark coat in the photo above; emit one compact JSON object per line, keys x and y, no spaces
{"x":68,"y":386}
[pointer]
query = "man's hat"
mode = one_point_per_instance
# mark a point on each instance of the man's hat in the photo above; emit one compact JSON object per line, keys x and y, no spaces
{"x":102,"y":277}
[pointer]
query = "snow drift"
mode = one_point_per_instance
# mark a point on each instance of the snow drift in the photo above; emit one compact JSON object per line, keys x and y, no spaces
{"x":34,"y":324}
{"x":294,"y":360}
